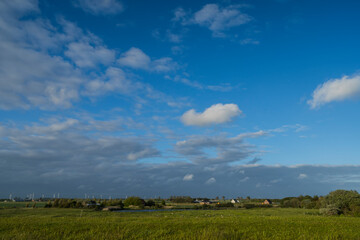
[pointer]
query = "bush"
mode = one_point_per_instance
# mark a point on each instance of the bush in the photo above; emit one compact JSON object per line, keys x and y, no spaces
{"x":204,"y":206}
{"x":249,"y":205}
{"x":135,"y":201}
{"x":264,"y":206}
{"x":330,"y":211}
{"x":150,"y":203}
{"x":48,"y":205}
{"x":227,"y":205}
{"x":181,"y":199}
{"x":343,"y":199}
{"x":355,"y":210}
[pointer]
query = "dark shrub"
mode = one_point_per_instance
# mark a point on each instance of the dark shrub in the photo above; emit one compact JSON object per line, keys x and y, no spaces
{"x":249,"y":205}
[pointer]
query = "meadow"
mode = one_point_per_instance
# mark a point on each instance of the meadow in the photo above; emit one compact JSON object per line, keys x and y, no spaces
{"x":272,"y":223}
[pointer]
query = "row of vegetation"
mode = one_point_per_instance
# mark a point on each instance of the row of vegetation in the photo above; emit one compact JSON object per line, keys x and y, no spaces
{"x":100,"y":204}
{"x":335,"y":203}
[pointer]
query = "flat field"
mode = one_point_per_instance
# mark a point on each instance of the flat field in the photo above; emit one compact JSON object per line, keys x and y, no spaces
{"x":274,"y":223}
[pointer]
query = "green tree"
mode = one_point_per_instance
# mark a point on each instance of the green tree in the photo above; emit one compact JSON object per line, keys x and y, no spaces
{"x":135,"y":201}
{"x":343,"y":200}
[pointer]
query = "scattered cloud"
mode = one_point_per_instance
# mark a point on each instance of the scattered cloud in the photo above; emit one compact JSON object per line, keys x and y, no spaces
{"x":276,"y":180}
{"x":52,"y":161}
{"x":247,"y":41}
{"x":137,"y":59}
{"x":85,"y":55}
{"x":295,"y":127}
{"x":57,"y":144}
{"x":302,"y":176}
{"x":216,"y":114}
{"x":211,"y":181}
{"x":254,"y":160}
{"x":176,"y":50}
{"x":214,"y":17}
{"x":245,"y":179}
{"x":31,"y":76}
{"x":180,"y":15}
{"x":197,"y":85}
{"x":103,"y":7}
{"x":173,"y":37}
{"x":188,"y":177}
{"x":52,"y":65}
{"x":335,"y":90}
{"x":217,"y":149}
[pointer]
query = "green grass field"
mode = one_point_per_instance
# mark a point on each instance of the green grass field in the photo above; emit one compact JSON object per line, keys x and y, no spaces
{"x":275,"y":223}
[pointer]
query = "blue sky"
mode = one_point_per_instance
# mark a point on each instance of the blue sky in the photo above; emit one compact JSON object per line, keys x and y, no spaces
{"x":201,"y":98}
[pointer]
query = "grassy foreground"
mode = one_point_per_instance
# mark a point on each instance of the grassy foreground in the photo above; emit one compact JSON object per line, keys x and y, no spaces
{"x":39,"y":223}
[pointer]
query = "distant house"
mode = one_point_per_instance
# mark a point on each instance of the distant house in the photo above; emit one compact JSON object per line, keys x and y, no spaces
{"x":267,"y":202}
{"x":234,"y":201}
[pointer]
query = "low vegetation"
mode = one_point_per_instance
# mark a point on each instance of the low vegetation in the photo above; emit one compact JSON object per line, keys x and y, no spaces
{"x":334,"y":216}
{"x":257,"y":223}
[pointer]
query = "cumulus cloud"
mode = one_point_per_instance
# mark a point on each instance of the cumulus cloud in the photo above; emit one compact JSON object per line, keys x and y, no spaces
{"x":214,"y":17}
{"x":188,"y":177}
{"x":31,"y":76}
{"x":114,"y":80}
{"x":51,"y":65}
{"x":335,"y":90}
{"x":103,"y":7}
{"x":85,"y":55}
{"x":137,"y":59}
{"x":216,"y":114}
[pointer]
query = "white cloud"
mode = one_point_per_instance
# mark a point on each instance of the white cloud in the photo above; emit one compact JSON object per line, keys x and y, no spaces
{"x":137,"y":59}
{"x":54,"y":127}
{"x":211,"y":181}
{"x":114,"y":80}
{"x":31,"y":76}
{"x":335,"y":90}
{"x":34,"y":72}
{"x":188,"y":177}
{"x":85,"y":55}
{"x":214,"y":17}
{"x":302,"y":176}
{"x":216,"y":114}
{"x":100,"y":7}
{"x":18,"y":6}
{"x":174,"y":38}
{"x":245,"y":179}
{"x":179,"y":15}
{"x":195,"y":84}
